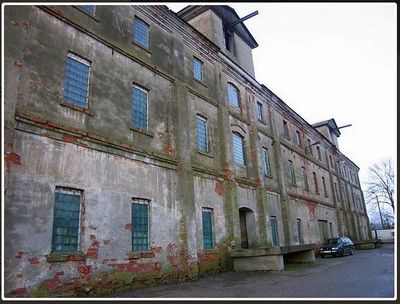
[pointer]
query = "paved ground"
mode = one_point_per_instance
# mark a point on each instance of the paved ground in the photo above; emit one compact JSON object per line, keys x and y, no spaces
{"x":367,"y":274}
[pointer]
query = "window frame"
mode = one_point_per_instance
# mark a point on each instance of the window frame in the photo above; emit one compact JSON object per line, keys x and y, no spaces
{"x":315,"y":183}
{"x":324,"y":186}
{"x":210,"y":211}
{"x":200,"y":64}
{"x":243,"y":148}
{"x":266,"y":162}
{"x":259,"y":111}
{"x":274,"y":231}
{"x":286,"y":132}
{"x":205,"y":120}
{"x":135,"y":39}
{"x":291,"y":173}
{"x":305,"y":179}
{"x":237,"y":91}
{"x":140,"y":201}
{"x":299,"y":231}
{"x":298,"y":138}
{"x":71,"y":192}
{"x":142,"y":89}
{"x":319,"y":153}
{"x":84,"y":61}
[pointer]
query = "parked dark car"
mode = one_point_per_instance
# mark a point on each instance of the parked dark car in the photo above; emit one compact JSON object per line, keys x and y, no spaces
{"x":337,"y":247}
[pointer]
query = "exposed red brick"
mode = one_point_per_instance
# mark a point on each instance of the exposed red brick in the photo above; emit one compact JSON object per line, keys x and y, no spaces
{"x":69,"y":139}
{"x":33,"y":261}
{"x":258,"y":182}
{"x":156,"y":249}
{"x":19,"y":254}
{"x":84,"y":269}
{"x":93,"y":250}
{"x":128,"y":226}
{"x":18,"y":292}
{"x":18,"y":64}
{"x":51,"y":283}
{"x":219,"y":187}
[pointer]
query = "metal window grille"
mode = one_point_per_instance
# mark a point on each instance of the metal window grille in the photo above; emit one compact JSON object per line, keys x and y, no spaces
{"x":292,"y":176}
{"x":76,"y":80}
{"x":267,"y":168}
{"x":90,"y":9}
{"x":238,"y":148}
{"x":139,"y":108}
{"x":141,"y":32}
{"x":65,"y":235}
{"x":140,"y":225}
{"x":207,"y":229}
{"x":274,"y":231}
{"x":202,"y":136}
{"x":299,"y":231}
{"x":197,"y":69}
{"x":233,"y":96}
{"x":260,"y":112}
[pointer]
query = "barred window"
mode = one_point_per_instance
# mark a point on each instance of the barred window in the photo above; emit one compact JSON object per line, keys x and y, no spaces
{"x":139,"y":108}
{"x":238,"y":148}
{"x":140,"y":225}
{"x":141,"y":32}
{"x":233,"y":96}
{"x":67,"y":205}
{"x":197,"y":69}
{"x":76,"y":80}
{"x":202,"y":136}
{"x":207,"y":229}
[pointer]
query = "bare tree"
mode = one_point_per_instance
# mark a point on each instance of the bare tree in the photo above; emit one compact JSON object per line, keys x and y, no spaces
{"x":380,"y":185}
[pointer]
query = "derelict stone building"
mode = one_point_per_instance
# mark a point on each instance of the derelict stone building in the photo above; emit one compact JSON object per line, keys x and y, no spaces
{"x":139,"y":147}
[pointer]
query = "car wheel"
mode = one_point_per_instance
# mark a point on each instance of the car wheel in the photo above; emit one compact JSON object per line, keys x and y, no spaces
{"x":351,"y":251}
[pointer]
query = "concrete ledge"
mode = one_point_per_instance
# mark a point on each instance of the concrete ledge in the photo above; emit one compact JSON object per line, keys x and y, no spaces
{"x":369,"y":244}
{"x":271,"y":258}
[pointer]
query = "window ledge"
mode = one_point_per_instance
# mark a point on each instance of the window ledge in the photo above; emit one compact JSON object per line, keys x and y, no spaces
{"x":66,"y":256}
{"x":141,"y":47}
{"x":76,"y":108}
{"x":134,"y":255}
{"x":142,"y":131}
{"x":205,"y":154}
{"x":200,"y":82}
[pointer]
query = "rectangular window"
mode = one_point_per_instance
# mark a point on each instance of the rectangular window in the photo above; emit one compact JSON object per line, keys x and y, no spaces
{"x":76,"y":80}
{"x":274,"y":231}
{"x":238,"y":148}
{"x":140,"y":32}
{"x":207,"y":229}
{"x":315,"y":182}
{"x":140,"y":224}
{"x":319,"y":153}
{"x":305,"y":180}
{"x":323,"y":230}
{"x":197,"y":69}
{"x":286,"y":129}
{"x":259,"y":108}
{"x":233,"y":96}
{"x":309,"y":147}
{"x":292,"y":176}
{"x":330,"y":161}
{"x":298,"y":137}
{"x":67,"y":206}
{"x":139,"y":108}
{"x":336,"y":191}
{"x":324,"y":186}
{"x":90,"y":9}
{"x":202,"y":136}
{"x":300,"y":231}
{"x":267,"y":168}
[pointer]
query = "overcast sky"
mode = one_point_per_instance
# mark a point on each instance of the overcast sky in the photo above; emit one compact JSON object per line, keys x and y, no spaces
{"x":331,"y":60}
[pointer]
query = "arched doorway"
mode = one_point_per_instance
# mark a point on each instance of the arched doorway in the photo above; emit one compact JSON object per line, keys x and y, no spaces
{"x":247,"y":227}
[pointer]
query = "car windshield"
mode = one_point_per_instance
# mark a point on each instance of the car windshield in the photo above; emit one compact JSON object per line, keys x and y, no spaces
{"x":332,"y":241}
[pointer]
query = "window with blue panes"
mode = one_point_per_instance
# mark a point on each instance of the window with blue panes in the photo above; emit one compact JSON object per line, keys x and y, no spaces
{"x":140,"y":32}
{"x":238,"y":148}
{"x":139,"y":108}
{"x":267,"y":168}
{"x":207,"y":229}
{"x":233,"y":96}
{"x":76,"y":80}
{"x":197,"y":69}
{"x":67,"y":205}
{"x":140,"y":225}
{"x":274,"y":231}
{"x":202,"y":136}
{"x":90,"y":9}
